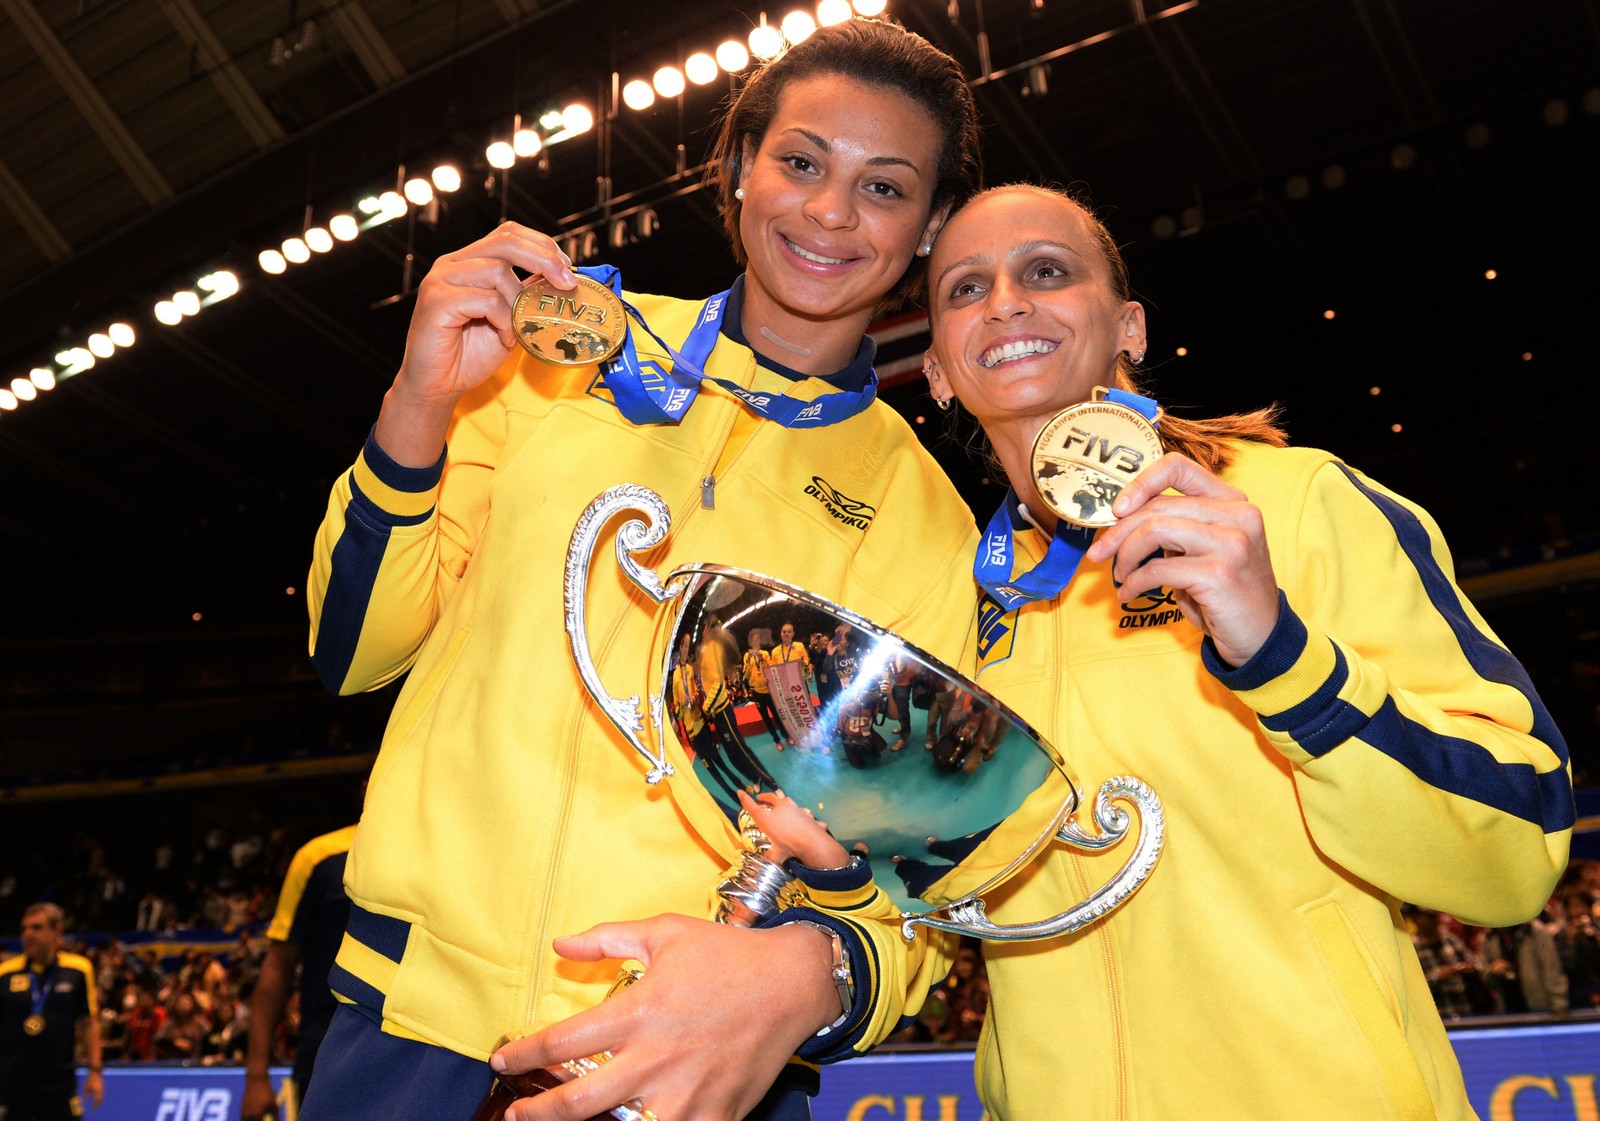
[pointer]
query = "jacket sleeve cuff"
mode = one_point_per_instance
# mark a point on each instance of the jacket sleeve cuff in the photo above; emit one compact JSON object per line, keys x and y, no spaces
{"x":1295,"y":684}
{"x":835,"y":887}
{"x":839,"y":1043}
{"x":390,"y":493}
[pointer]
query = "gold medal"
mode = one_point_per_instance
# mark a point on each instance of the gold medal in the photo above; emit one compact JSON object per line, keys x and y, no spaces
{"x":1086,"y":454}
{"x":569,"y":327}
{"x":33,"y":1025}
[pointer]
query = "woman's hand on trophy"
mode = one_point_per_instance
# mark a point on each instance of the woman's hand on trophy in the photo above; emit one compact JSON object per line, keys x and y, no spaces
{"x":700,"y":1037}
{"x":793,"y":831}
{"x":460,"y":333}
{"x":1206,"y":544}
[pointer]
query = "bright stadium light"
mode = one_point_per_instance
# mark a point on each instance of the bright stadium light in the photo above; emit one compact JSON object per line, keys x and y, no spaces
{"x":296,"y":251}
{"x":830,"y":12}
{"x":419,"y":192}
{"x":344,"y":227}
{"x":797,"y":26}
{"x":576,"y":118}
{"x":500,"y":155}
{"x":766,"y":41}
{"x":732,"y":56}
{"x":447,"y":178}
{"x":318,"y":240}
{"x":638,"y":95}
{"x":700,"y":68}
{"x":272,"y":261}
{"x":121,"y":334}
{"x":526,"y":142}
{"x":668,"y":81}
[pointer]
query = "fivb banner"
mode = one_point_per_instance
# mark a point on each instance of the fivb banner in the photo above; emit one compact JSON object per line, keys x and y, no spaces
{"x":1545,"y":1072}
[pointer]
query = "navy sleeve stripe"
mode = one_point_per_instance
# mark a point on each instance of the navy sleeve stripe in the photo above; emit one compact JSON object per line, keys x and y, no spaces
{"x":354,"y":571}
{"x":353,"y":988}
{"x":380,"y":933}
{"x":1491,"y":661}
{"x":1467,"y":769}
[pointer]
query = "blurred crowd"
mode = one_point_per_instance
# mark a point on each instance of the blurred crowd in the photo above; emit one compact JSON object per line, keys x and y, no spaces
{"x":197,"y":1011}
{"x":160,"y":1000}
{"x":1549,"y":965}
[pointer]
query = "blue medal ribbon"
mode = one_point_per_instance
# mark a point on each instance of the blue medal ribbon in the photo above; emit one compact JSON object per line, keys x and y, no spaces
{"x":991,"y":568}
{"x":646,"y":394}
{"x":39,"y":987}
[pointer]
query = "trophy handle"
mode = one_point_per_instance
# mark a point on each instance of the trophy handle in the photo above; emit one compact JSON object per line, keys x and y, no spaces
{"x":633,"y":536}
{"x":967,"y":917}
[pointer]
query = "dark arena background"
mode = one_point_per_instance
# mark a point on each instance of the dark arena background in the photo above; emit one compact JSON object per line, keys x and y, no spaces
{"x":1380,"y":213}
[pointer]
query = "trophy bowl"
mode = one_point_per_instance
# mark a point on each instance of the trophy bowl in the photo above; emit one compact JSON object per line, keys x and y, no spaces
{"x":940,"y":787}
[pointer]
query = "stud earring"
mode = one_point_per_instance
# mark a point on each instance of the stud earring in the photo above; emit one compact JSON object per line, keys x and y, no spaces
{"x":738,"y":193}
{"x":927,"y":248}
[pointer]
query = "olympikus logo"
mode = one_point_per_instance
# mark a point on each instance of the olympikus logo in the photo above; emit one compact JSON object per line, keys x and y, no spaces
{"x":190,"y":1104}
{"x":847,"y":510}
{"x":1153,"y":609}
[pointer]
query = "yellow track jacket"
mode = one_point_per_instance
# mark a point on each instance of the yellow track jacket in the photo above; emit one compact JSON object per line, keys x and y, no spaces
{"x":1381,"y":747}
{"x":504,"y":809}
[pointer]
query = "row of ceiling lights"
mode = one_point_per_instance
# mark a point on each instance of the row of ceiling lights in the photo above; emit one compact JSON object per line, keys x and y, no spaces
{"x":552,"y":127}
{"x":73,"y":360}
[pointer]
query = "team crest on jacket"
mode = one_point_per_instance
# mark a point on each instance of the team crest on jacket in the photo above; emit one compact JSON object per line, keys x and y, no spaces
{"x":1152,"y":609}
{"x":846,"y":509}
{"x":997,"y":631}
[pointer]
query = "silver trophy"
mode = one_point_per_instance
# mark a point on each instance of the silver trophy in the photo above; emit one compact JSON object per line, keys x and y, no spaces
{"x":940,"y":787}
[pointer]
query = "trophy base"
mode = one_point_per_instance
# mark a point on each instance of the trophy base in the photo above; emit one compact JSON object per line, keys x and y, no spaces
{"x":508,"y":1088}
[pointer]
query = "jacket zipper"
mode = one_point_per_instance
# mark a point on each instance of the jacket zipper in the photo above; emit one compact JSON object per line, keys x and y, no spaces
{"x":707,"y":488}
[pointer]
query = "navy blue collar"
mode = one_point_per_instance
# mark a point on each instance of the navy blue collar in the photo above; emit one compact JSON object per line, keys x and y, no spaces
{"x":853,"y":377}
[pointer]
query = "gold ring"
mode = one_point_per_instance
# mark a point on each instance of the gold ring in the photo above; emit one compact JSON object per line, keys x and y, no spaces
{"x":640,"y":1111}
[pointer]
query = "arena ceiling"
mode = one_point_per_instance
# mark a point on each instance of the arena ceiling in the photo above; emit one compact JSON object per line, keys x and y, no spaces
{"x":1266,"y":161}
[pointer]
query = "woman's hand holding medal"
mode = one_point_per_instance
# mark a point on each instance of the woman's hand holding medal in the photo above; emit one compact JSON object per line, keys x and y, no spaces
{"x":461,"y":331}
{"x":1206,"y":544}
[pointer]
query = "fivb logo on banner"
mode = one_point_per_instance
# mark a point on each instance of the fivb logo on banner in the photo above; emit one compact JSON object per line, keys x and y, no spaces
{"x":190,"y":1103}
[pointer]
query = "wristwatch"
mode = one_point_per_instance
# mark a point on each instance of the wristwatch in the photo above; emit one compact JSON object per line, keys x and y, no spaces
{"x":843,"y":979}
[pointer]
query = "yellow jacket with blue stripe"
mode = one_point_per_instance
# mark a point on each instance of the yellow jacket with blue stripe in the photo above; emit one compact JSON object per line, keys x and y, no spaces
{"x":504,"y":809}
{"x":1382,"y":746}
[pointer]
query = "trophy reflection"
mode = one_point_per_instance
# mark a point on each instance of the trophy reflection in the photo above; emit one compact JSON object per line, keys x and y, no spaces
{"x":918,"y":771}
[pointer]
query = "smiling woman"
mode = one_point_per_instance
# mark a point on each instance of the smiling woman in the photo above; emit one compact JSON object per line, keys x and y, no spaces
{"x":504,"y":810}
{"x":1274,"y":642}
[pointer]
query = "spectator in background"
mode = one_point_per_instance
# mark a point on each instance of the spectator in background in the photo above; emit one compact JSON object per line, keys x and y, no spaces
{"x":183,"y":1035}
{"x":143,"y":1021}
{"x":1580,"y":950}
{"x":306,"y":931}
{"x":965,"y":999}
{"x":1539,"y":969}
{"x":1451,"y":969}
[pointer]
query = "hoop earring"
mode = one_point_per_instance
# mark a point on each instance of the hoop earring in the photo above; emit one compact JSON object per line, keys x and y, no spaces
{"x":738,"y":193}
{"x":1138,"y":359}
{"x":943,"y":403}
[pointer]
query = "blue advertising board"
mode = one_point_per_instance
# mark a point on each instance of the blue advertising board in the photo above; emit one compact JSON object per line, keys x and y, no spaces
{"x":1532,"y":1073}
